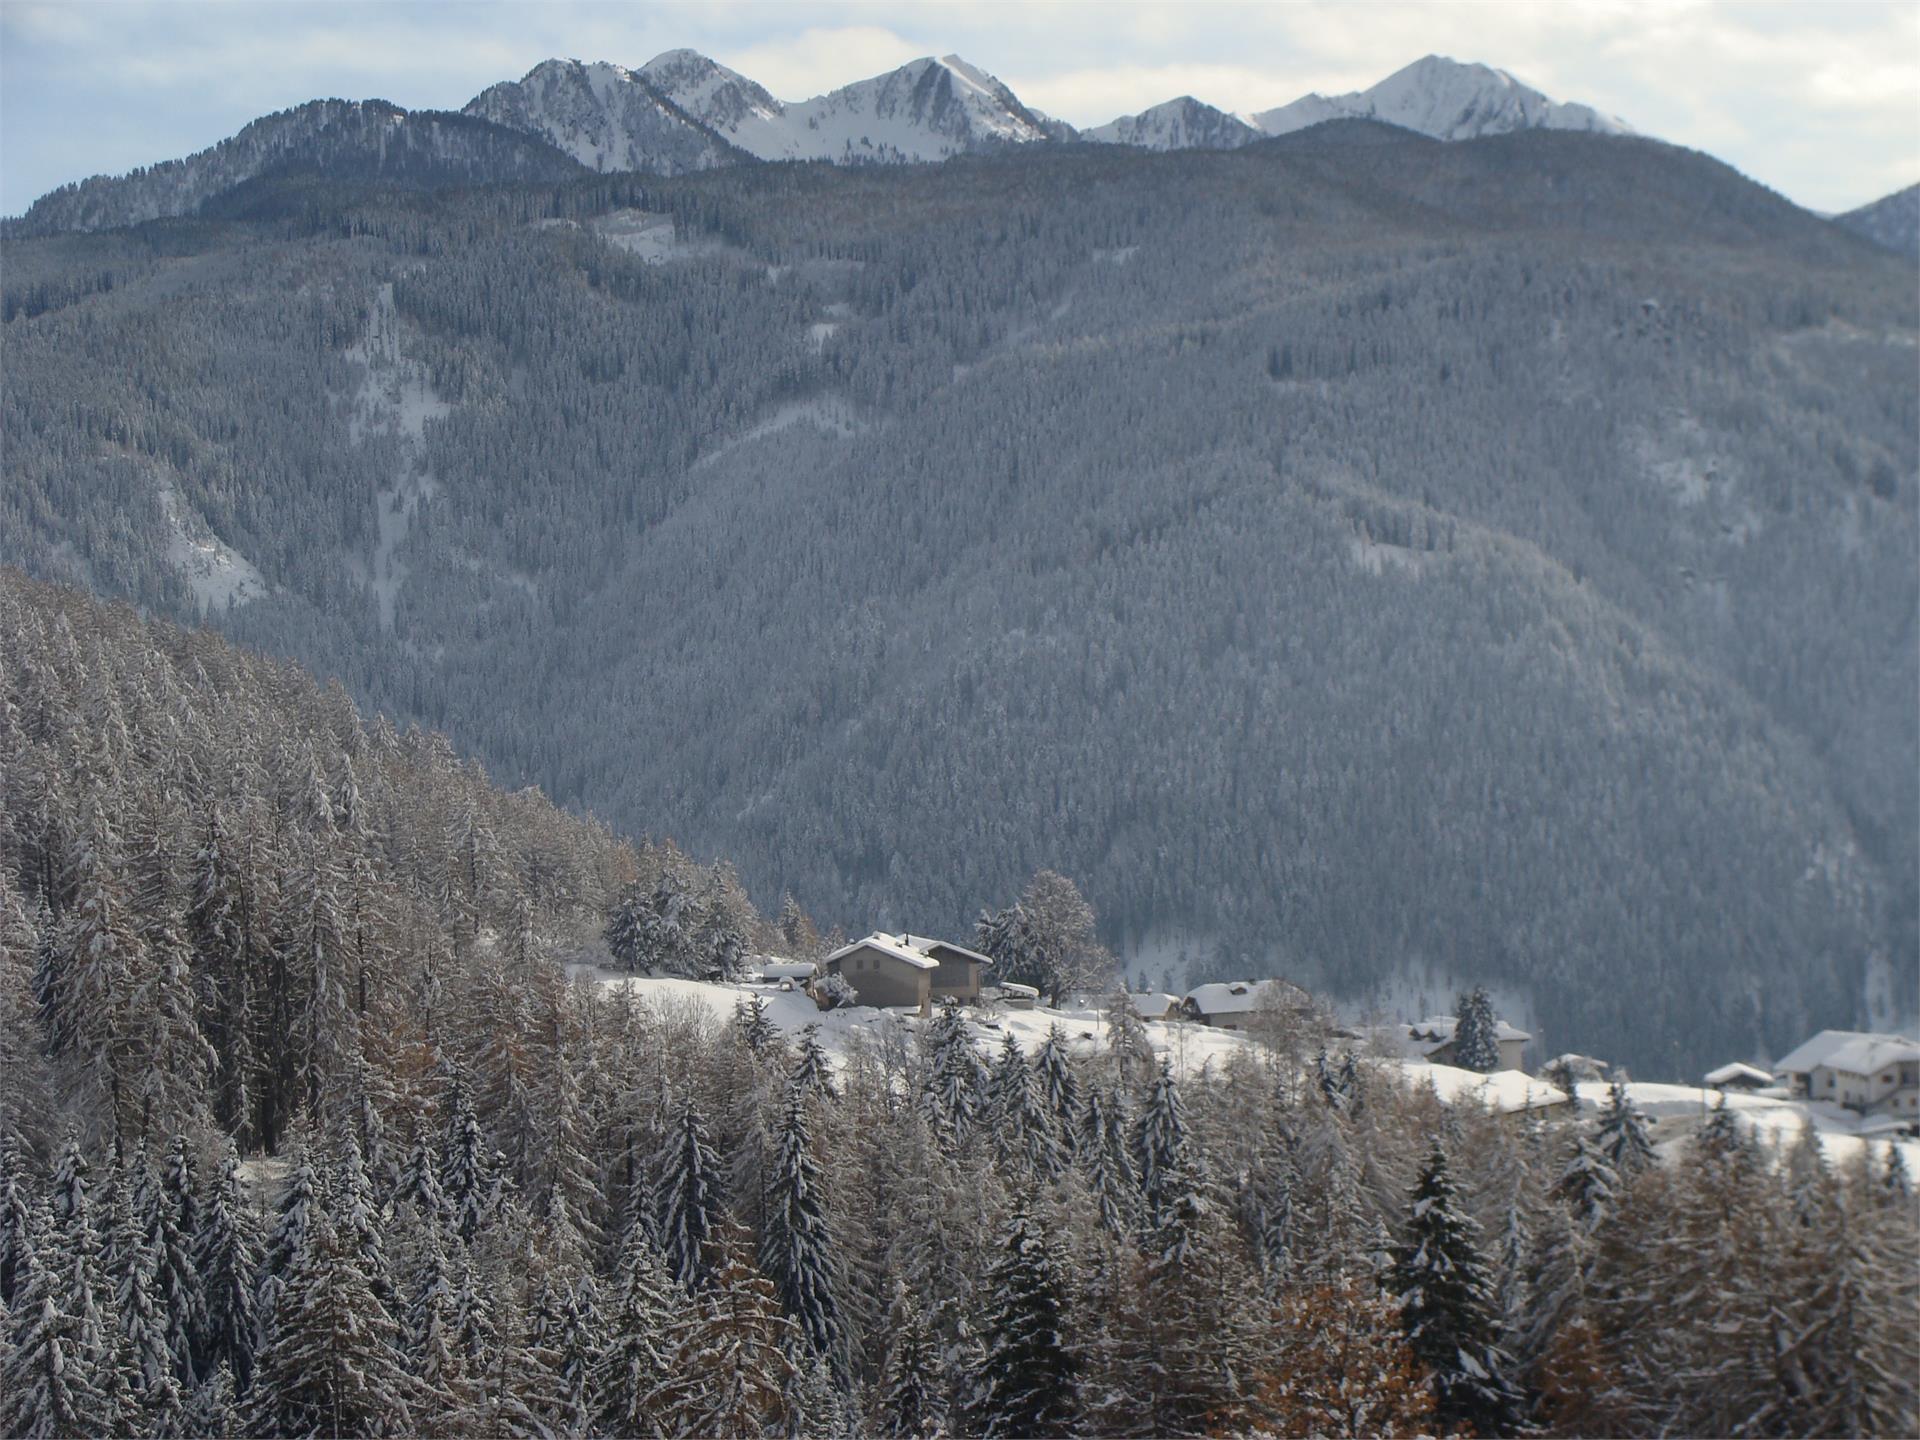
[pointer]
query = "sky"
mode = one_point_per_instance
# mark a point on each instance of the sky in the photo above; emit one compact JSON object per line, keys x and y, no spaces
{"x":1820,"y":101}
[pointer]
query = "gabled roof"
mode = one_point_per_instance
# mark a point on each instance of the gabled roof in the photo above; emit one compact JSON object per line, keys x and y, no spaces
{"x":1727,"y":1074}
{"x":1869,"y":1055}
{"x":929,"y":947}
{"x":888,"y":945}
{"x":1237,"y":997}
{"x":1437,"y":1030}
{"x":1810,"y":1054}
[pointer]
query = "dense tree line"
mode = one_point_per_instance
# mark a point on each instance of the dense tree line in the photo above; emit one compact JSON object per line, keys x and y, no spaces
{"x":304,"y":1129}
{"x":1494,"y":561}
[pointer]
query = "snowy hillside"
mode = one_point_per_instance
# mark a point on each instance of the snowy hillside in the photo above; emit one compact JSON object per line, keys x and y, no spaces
{"x":1182,"y":124}
{"x":604,"y":116}
{"x":928,"y":109}
{"x":1447,"y":100}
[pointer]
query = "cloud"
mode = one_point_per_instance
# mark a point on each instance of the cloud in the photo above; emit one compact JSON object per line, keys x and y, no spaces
{"x":1820,"y":101}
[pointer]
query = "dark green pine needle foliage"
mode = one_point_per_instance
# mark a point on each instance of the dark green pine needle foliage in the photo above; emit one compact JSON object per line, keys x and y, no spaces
{"x":1446,"y":1297}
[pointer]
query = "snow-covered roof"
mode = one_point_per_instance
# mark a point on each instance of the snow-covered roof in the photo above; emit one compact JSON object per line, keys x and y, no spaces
{"x":1438,"y":1030}
{"x":887,"y":945}
{"x":928,"y":947}
{"x":1737,"y":1072}
{"x":786,"y":969}
{"x":1869,"y":1055}
{"x":1237,"y":997}
{"x":1818,"y":1051}
{"x":1152,"y":1003}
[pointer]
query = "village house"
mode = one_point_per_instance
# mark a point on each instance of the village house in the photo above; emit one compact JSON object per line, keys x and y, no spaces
{"x":1154,"y":1004}
{"x":1239,"y":1004}
{"x":1432,"y":1040}
{"x":1870,"y":1073}
{"x":1738,"y":1077}
{"x":907,"y":971}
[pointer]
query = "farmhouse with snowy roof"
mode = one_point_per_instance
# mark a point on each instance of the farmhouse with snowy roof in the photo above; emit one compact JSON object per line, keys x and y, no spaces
{"x":1738,"y":1077}
{"x":1432,"y":1040}
{"x":907,"y":970}
{"x":1871,"y":1073}
{"x":1234,"y":1004}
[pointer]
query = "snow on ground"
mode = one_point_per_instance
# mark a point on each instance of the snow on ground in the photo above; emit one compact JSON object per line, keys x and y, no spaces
{"x":1506,"y":1091}
{"x":1678,"y":1110}
{"x":217,"y":574}
{"x":1191,"y":1048}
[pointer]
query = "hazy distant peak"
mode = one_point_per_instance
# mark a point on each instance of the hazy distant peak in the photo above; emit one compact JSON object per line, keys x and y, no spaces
{"x":1448,"y":100}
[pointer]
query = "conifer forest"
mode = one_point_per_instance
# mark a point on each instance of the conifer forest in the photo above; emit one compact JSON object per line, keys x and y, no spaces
{"x":679,"y":765}
{"x":307,"y":1131}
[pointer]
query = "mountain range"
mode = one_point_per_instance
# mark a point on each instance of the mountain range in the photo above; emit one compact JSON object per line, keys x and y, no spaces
{"x":1389,"y":562}
{"x":682,"y":112}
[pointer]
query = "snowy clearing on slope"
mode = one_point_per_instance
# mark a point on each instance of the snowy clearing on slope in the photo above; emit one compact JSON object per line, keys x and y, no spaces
{"x":218,"y":575}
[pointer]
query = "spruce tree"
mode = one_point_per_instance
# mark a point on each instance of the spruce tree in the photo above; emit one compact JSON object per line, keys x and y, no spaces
{"x":332,"y":1362}
{"x":466,"y":1175}
{"x":812,"y":1070}
{"x":634,"y":1355}
{"x":1476,"y":1034}
{"x":797,"y":1251}
{"x":1025,"y":1378}
{"x":1623,"y":1137}
{"x":689,"y":1197}
{"x":1588,"y":1184}
{"x":1159,"y":1148}
{"x":1446,"y":1305}
{"x":172,"y":1225}
{"x":1059,"y":1085}
{"x":1106,"y":1162}
{"x":46,"y":1388}
{"x":227,"y":1254}
{"x":16,"y":1219}
{"x":909,"y":1403}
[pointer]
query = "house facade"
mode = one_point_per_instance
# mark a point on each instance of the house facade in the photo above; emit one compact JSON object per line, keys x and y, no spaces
{"x":960,"y":973}
{"x":908,"y":971}
{"x":1874,"y":1074}
{"x":884,"y":973}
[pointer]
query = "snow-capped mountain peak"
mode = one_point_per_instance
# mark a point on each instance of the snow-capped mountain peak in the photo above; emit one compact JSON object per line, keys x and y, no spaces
{"x":604,"y":115}
{"x":1179,"y":124}
{"x":927,"y":109}
{"x":1448,"y":100}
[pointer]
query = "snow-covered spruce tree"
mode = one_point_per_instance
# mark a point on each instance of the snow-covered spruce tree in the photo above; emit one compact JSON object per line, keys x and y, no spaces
{"x":797,"y":1250}
{"x":16,"y":1218}
{"x":1476,"y":1035}
{"x":1127,"y":1041}
{"x":299,"y":1209}
{"x":1023,"y":1132}
{"x":466,"y":1173}
{"x":1266,"y":1207}
{"x":633,"y":1358}
{"x":626,"y":931}
{"x":956,"y":1076}
{"x":1059,"y":1084}
{"x":172,"y":1224}
{"x":689,"y":1197}
{"x":213,"y":1408}
{"x":751,"y":1024}
{"x":24,"y":1075}
{"x":1159,"y":1148}
{"x":1622,"y":1136}
{"x":1106,"y":1163}
{"x":447,"y":1394}
{"x":143,"y":1352}
{"x":812,"y":1070}
{"x":1588,"y":1184}
{"x":359,"y":1220}
{"x":909,"y":1398}
{"x":576,"y":1349}
{"x":227,"y":1255}
{"x":418,"y":1186}
{"x":1440,"y":1278}
{"x":75,"y":1252}
{"x":1025,"y":1378}
{"x":46,"y":1388}
{"x":332,"y":1364}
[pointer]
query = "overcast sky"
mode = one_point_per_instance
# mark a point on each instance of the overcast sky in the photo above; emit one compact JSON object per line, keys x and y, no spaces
{"x":1819,"y":100}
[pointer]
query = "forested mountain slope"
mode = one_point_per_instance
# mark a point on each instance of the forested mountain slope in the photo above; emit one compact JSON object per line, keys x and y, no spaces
{"x":1371,"y":557}
{"x":1892,"y":221}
